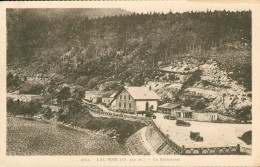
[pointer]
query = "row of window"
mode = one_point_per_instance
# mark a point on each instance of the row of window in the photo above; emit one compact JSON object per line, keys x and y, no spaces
{"x":129,"y":105}
{"x":121,"y":96}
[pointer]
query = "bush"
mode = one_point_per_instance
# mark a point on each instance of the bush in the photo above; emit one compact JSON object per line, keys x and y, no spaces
{"x":243,"y":113}
{"x":56,"y":80}
{"x":13,"y":82}
{"x":138,"y":80}
{"x":196,"y":76}
{"x":62,"y":118}
{"x":29,"y":108}
{"x":111,"y":86}
{"x":200,"y":105}
{"x":32,"y":88}
{"x":172,"y":77}
{"x":12,"y":107}
{"x":48,"y":114}
{"x":35,"y":107}
{"x":82,"y":81}
{"x":61,"y":111}
{"x":188,"y":102}
{"x":74,"y":106}
{"x":78,"y":93}
{"x":24,"y":109}
{"x":64,"y":94}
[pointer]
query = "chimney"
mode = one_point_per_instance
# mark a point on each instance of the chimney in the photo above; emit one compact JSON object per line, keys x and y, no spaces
{"x":150,"y":88}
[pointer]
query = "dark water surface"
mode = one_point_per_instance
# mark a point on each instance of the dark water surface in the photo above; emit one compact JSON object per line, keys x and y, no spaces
{"x":28,"y":137}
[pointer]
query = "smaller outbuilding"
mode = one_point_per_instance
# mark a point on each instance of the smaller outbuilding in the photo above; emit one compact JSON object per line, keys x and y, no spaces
{"x":93,"y":96}
{"x":108,"y":97}
{"x":205,"y":117}
{"x":23,"y":97}
{"x":169,"y":108}
{"x":184,"y":112}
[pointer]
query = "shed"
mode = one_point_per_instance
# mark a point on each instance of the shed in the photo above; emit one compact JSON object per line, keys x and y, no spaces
{"x":169,"y":108}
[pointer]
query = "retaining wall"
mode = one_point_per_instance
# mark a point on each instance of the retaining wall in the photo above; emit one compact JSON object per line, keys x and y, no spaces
{"x":163,"y":145}
{"x":158,"y":143}
{"x":135,"y":145}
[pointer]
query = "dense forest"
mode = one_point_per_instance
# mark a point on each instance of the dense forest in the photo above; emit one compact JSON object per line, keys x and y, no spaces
{"x":125,"y":47}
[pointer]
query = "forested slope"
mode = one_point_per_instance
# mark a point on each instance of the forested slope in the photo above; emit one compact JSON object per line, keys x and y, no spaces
{"x":126,"y":48}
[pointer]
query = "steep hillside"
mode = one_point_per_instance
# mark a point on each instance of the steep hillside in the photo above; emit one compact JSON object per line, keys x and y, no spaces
{"x":192,"y":50}
{"x":126,"y":48}
{"x":201,"y":87}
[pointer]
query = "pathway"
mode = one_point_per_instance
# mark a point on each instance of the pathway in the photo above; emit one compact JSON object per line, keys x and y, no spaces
{"x":145,"y":143}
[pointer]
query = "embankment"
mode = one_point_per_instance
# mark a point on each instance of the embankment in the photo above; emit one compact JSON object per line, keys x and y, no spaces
{"x":158,"y":142}
{"x":149,"y":140}
{"x":114,"y":127}
{"x":136,"y":144}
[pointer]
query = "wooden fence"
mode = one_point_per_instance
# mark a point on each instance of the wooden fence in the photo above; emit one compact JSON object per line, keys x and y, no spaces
{"x":231,"y":150}
{"x":212,"y":150}
{"x":245,"y":150}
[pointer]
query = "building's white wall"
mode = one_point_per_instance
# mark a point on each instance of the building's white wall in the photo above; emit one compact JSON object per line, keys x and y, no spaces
{"x":89,"y":96}
{"x":94,"y":98}
{"x":141,"y":105}
{"x":23,"y":98}
{"x":205,"y":116}
{"x":174,"y":110}
{"x":123,"y":100}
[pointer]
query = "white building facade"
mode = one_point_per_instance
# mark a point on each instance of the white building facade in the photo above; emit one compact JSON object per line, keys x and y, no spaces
{"x":136,"y":99}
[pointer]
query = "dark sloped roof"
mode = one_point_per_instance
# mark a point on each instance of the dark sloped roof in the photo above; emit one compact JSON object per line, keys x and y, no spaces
{"x":107,"y":94}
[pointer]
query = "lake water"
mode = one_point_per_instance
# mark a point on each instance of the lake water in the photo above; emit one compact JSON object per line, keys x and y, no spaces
{"x":29,"y":137}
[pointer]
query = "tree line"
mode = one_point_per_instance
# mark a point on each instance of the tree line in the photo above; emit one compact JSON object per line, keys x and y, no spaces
{"x":117,"y":45}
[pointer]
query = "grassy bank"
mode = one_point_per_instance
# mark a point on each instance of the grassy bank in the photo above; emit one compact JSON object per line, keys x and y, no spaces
{"x":30,"y":137}
{"x":116,"y":128}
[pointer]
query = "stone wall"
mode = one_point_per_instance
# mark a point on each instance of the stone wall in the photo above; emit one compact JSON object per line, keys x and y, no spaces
{"x":135,"y":145}
{"x":157,"y":142}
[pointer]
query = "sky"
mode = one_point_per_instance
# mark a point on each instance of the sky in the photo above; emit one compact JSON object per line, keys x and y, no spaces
{"x":177,"y":6}
{"x":143,"y":6}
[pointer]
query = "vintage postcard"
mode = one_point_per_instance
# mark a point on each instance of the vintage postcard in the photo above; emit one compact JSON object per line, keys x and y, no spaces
{"x":130,"y":83}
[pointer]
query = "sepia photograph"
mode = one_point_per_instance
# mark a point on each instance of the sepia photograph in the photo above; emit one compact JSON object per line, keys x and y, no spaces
{"x":128,"y":82}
